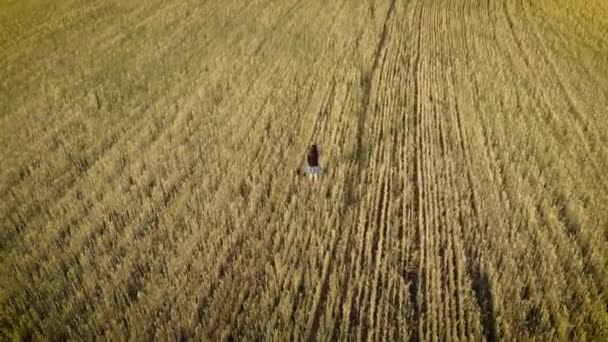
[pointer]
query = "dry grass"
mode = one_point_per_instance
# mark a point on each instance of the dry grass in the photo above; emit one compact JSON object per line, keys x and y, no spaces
{"x":149,"y":185}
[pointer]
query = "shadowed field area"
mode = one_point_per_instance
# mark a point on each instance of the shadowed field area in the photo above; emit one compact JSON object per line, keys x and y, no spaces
{"x":151,"y":156}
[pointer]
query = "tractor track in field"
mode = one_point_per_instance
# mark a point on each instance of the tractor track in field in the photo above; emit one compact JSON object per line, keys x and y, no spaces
{"x":364,"y":112}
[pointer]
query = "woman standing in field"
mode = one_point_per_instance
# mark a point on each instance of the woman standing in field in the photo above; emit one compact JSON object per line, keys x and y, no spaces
{"x":312,"y":158}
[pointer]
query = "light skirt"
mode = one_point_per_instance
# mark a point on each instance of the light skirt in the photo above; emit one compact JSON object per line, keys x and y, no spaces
{"x":313,"y":170}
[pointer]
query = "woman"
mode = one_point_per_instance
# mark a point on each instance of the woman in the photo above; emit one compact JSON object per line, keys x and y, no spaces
{"x":312,"y":158}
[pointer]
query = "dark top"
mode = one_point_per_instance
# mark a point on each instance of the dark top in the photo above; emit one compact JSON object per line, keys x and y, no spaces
{"x":313,"y":157}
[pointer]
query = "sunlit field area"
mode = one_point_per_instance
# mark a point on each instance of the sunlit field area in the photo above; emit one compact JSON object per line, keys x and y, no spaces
{"x":152,"y":158}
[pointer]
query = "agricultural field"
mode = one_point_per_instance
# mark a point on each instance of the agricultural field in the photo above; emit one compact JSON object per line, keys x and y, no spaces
{"x":152,"y":155}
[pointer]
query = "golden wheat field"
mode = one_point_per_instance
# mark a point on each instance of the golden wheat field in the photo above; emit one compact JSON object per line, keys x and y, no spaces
{"x":151,"y":183}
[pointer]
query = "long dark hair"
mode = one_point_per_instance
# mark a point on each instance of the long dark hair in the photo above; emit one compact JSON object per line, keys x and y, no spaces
{"x":313,"y":156}
{"x":313,"y":150}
